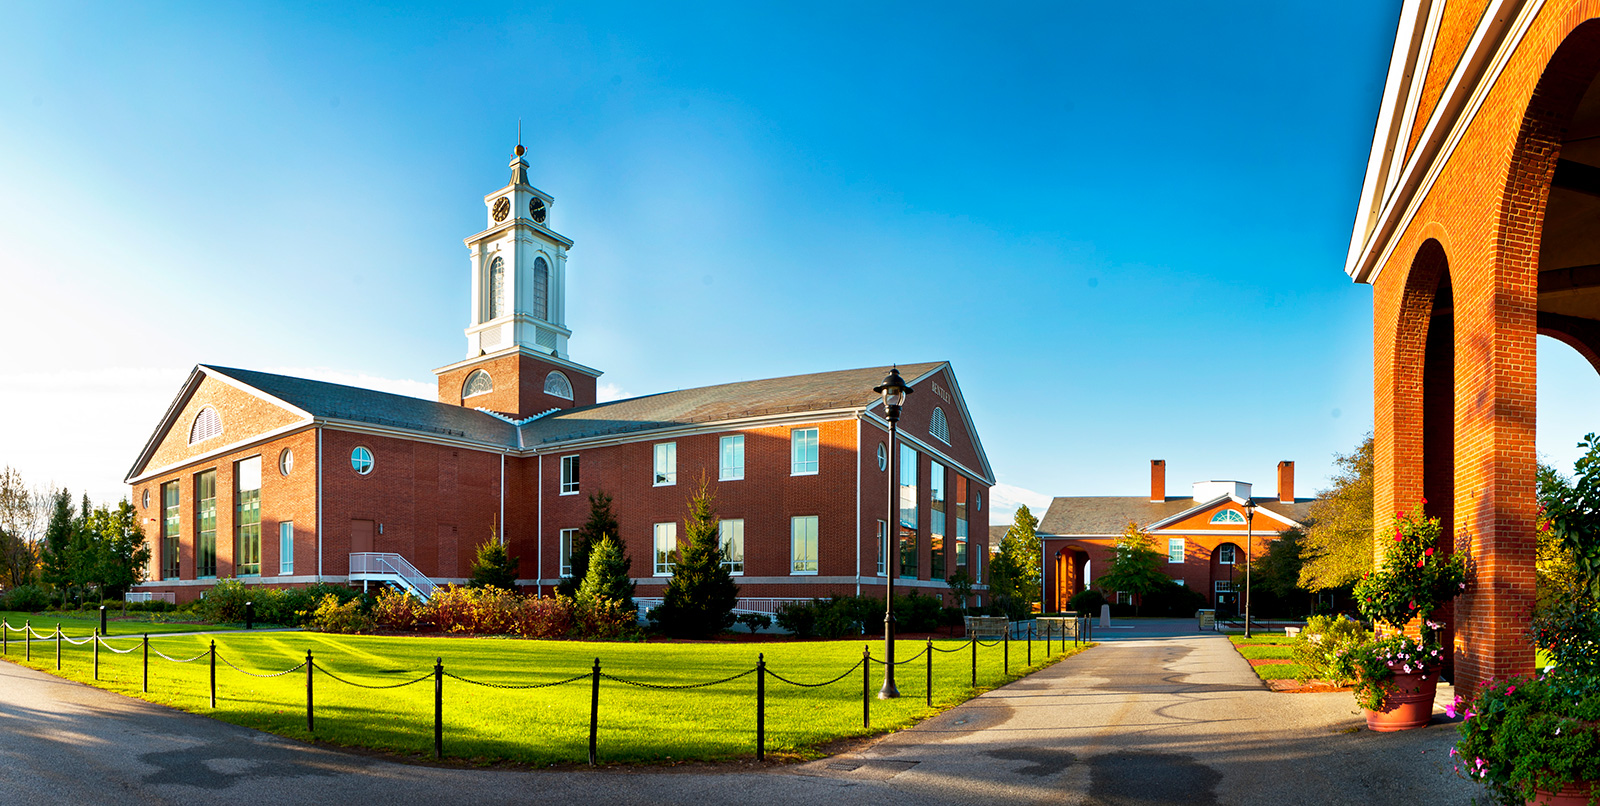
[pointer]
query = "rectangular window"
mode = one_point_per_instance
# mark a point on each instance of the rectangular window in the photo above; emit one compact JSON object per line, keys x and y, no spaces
{"x":285,"y":548}
{"x":205,"y":510}
{"x":567,"y":536}
{"x":666,"y":542}
{"x":1175,"y":549}
{"x":169,"y":530}
{"x":803,"y":544}
{"x":1225,"y":554}
{"x":908,"y":512}
{"x":666,"y":464}
{"x":732,"y":534}
{"x":247,"y":517}
{"x":1124,"y":598}
{"x":1225,"y":586}
{"x":803,"y":452}
{"x":936,"y":511}
{"x":730,"y":462}
{"x":961,"y":522}
{"x":883,"y":546}
{"x":569,"y":475}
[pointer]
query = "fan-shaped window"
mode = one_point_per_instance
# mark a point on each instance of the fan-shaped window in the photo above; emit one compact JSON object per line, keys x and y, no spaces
{"x":541,"y":289}
{"x":557,"y":385}
{"x":207,"y":424}
{"x":497,"y":288}
{"x":1227,"y":516}
{"x":939,"y":426}
{"x":478,"y":383}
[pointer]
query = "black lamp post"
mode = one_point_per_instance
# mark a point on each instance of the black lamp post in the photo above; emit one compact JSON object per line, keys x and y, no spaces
{"x":894,"y":391}
{"x":1249,"y":535}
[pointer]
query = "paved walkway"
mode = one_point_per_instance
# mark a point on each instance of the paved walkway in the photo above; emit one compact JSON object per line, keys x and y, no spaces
{"x":1178,"y":719}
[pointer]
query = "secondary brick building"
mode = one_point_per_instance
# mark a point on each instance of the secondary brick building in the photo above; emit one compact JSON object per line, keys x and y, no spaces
{"x":283,"y":480}
{"x":1475,"y":230}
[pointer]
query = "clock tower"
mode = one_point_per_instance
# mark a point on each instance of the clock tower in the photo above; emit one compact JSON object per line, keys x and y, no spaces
{"x":516,"y":361}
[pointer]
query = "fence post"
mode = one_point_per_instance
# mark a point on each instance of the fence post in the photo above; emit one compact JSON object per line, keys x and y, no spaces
{"x":594,"y":711}
{"x":5,"y":637}
{"x":311,"y":720}
{"x":866,"y":685}
{"x":102,"y":619}
{"x":213,"y":674}
{"x":928,"y":685}
{"x":1007,"y":643}
{"x":761,"y":707}
{"x":1030,"y":642}
{"x":974,"y":662}
{"x":145,"y":675}
{"x":59,"y":642}
{"x":438,"y":707}
{"x":96,"y":641}
{"x":27,"y":637}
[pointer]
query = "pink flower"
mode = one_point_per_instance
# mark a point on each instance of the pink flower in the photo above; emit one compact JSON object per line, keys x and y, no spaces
{"x":1420,"y":563}
{"x":1427,"y":552}
{"x":1511,"y":690}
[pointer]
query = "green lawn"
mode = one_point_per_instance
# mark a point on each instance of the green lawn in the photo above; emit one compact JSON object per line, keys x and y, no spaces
{"x":541,"y":726}
{"x":1281,"y":671}
{"x":1258,"y":639}
{"x":1257,"y":652}
{"x":78,"y":625}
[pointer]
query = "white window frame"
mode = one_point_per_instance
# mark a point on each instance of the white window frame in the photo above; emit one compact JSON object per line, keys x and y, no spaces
{"x":725,"y":470}
{"x":362,"y":460}
{"x":285,"y":548}
{"x":883,"y":547}
{"x":1227,"y":516}
{"x":796,"y":535}
{"x":564,"y":540}
{"x":571,"y":474}
{"x":1176,"y":543}
{"x":1124,"y":598}
{"x":798,"y":437}
{"x":664,"y":543}
{"x":730,"y":531}
{"x":1233,"y":554}
{"x":665,"y":464}
{"x":1225,"y":586}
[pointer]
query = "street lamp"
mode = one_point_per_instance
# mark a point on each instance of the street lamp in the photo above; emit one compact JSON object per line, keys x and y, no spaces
{"x":894,"y":391}
{"x":1249,"y":521}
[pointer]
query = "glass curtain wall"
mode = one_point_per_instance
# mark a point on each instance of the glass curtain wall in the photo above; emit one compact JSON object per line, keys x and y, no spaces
{"x":908,"y":512}
{"x":936,"y":513}
{"x":205,"y":544}
{"x":247,"y":517}
{"x":961,"y":523}
{"x":170,"y":530}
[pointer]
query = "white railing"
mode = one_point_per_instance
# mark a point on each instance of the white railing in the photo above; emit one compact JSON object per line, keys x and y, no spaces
{"x":381,"y":566}
{"x":150,"y":596}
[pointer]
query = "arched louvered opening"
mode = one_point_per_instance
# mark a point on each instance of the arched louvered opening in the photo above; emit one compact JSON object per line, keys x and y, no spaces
{"x":207,"y":424}
{"x":557,"y":385}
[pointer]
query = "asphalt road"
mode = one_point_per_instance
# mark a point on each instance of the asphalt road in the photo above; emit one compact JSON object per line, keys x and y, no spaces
{"x":1141,"y":720}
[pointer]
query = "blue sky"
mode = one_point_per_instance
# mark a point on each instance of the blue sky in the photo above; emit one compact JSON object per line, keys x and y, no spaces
{"x":1124,"y":225}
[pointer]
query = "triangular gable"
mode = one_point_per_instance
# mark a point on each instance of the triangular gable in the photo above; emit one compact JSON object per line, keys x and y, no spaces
{"x":1211,"y":506}
{"x":956,"y":408}
{"x":248,"y":414}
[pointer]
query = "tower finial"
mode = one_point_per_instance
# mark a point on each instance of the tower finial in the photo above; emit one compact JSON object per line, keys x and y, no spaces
{"x":520,"y":150}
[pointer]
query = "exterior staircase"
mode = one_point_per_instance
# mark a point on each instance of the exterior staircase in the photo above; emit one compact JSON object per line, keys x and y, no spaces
{"x":379,"y":566}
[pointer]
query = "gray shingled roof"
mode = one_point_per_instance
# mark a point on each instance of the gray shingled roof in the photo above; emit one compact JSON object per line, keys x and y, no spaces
{"x":1108,"y":515}
{"x":337,"y":401}
{"x":849,"y":388}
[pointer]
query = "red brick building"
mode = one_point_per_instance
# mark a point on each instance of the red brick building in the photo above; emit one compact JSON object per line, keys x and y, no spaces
{"x":287,"y":481}
{"x":1475,"y":230}
{"x":1204,"y":535}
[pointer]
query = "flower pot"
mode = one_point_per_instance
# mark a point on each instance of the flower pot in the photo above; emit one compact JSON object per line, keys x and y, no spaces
{"x":1574,"y":794}
{"x":1408,"y":703}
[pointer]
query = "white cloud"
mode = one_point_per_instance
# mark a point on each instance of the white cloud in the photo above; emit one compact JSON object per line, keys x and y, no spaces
{"x":1005,"y":498}
{"x":608,"y":392}
{"x":396,"y":386}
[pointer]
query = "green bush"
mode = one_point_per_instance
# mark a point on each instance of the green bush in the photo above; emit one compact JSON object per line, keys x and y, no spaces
{"x":1324,"y":645}
{"x":334,"y":616}
{"x":224,"y":603}
{"x":799,"y":618}
{"x":1088,"y":602}
{"x":755,"y":621}
{"x":26,"y":599}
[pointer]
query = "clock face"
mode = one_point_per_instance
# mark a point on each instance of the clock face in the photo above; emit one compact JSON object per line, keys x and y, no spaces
{"x":537,"y":211}
{"x":502,"y":208}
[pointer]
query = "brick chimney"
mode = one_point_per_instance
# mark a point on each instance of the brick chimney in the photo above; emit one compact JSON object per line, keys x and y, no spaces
{"x":1158,"y":480}
{"x":1286,"y":482}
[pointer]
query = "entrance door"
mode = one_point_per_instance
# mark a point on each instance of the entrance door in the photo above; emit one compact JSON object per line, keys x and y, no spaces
{"x":360,"y":536}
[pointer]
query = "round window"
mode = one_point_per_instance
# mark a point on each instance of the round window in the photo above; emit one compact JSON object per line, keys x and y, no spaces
{"x":883,"y":457}
{"x":286,"y":462}
{"x":146,"y":498}
{"x":361,"y":460}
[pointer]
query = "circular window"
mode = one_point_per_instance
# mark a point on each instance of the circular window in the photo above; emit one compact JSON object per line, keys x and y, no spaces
{"x":361,"y":460}
{"x":146,"y":498}
{"x":883,"y":457}
{"x":286,"y":462}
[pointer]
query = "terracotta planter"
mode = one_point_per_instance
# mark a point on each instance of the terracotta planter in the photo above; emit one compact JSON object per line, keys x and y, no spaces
{"x":1573,"y":794}
{"x":1409,"y":702}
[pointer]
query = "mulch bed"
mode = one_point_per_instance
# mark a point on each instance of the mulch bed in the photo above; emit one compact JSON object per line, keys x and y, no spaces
{"x":1307,"y":687}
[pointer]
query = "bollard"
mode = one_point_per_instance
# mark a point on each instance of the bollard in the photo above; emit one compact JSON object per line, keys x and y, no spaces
{"x":95,"y":639}
{"x":928,"y":686}
{"x":102,"y":619}
{"x":145,"y":677}
{"x":866,"y":685}
{"x":5,"y":637}
{"x":438,"y":707}
{"x":1006,"y":641}
{"x":27,"y":637}
{"x":761,"y":707}
{"x":311,"y":721}
{"x":249,"y":615}
{"x":213,"y":674}
{"x":974,"y":663}
{"x":1030,"y":644}
{"x":59,"y":642}
{"x":594,"y":711}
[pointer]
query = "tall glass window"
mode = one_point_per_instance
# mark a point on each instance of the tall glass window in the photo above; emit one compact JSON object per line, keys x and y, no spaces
{"x":936,"y":532}
{"x":883,"y":547}
{"x":1175,"y":549}
{"x":731,"y":532}
{"x":205,"y":510}
{"x":803,"y":451}
{"x":541,"y":289}
{"x":247,"y":517}
{"x":169,"y":530}
{"x":285,"y":548}
{"x":569,"y":475}
{"x":803,"y":544}
{"x":567,"y":536}
{"x":908,"y":512}
{"x":497,"y":288}
{"x":666,"y":542}
{"x":730,"y":462}
{"x":961,"y":522}
{"x":666,"y":464}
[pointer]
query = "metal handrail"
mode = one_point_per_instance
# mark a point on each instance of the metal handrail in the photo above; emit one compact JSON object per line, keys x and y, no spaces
{"x":389,"y":563}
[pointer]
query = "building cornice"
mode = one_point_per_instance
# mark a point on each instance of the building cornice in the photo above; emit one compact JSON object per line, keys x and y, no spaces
{"x":518,"y":348}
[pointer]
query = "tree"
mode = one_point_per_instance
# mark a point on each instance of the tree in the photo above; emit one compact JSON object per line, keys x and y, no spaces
{"x":1023,"y":546}
{"x":113,"y":555}
{"x":56,"y":551}
{"x":494,"y":567}
{"x":961,"y":586}
{"x":701,"y":594}
{"x":1006,"y":587}
{"x":1572,"y":510}
{"x":1135,"y":565}
{"x":608,"y":575}
{"x":1337,"y":549}
{"x":1278,"y":570}
{"x":600,"y":524}
{"x":22,"y":517}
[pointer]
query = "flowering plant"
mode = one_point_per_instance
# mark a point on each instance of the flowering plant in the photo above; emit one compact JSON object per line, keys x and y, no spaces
{"x":1415,"y":577}
{"x":1374,"y":664}
{"x":1522,"y":735}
